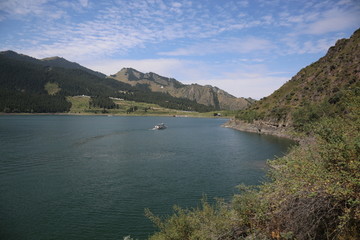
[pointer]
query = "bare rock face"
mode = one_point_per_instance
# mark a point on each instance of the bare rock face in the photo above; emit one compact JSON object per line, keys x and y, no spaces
{"x":207,"y":95}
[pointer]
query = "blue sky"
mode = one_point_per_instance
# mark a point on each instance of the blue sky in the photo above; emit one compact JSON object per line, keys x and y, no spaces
{"x":247,"y":47}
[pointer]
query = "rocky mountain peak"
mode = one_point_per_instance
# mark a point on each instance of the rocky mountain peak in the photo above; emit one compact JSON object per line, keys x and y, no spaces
{"x":207,"y":95}
{"x":130,"y":73}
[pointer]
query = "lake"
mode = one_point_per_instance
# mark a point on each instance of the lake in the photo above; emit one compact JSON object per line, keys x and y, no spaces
{"x":91,"y":177}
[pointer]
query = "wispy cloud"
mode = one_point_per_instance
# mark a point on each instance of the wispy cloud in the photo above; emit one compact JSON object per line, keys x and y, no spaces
{"x":322,"y":17}
{"x":123,"y":25}
{"x":232,"y":45}
{"x":22,"y":7}
{"x":38,"y":9}
{"x":332,"y":21}
{"x":84,"y":3}
{"x":298,"y":46}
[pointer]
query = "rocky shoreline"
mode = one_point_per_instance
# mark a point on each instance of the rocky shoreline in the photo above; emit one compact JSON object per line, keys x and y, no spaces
{"x":260,"y":127}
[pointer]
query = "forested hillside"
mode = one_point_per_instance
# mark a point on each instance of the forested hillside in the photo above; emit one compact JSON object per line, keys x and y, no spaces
{"x":50,"y":62}
{"x":27,"y":85}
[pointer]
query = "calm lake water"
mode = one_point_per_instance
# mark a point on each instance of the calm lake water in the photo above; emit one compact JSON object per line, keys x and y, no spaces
{"x":91,"y":177}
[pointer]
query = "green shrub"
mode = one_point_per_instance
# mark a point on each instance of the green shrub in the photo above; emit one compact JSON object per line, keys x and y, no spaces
{"x":249,"y":115}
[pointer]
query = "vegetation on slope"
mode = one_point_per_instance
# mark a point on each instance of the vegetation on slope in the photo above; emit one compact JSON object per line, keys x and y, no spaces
{"x":28,"y":86}
{"x":322,"y":82}
{"x":314,"y":192}
{"x":83,"y":105}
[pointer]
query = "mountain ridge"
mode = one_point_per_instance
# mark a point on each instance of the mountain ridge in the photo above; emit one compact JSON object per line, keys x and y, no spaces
{"x":51,"y":62}
{"x":315,"y":91}
{"x":207,"y":95}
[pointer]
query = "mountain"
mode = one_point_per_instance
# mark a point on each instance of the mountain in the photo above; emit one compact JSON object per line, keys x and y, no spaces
{"x":31,"y":85}
{"x":63,"y":63}
{"x":207,"y":95}
{"x":145,"y":83}
{"x":317,"y":90}
{"x":51,"y":62}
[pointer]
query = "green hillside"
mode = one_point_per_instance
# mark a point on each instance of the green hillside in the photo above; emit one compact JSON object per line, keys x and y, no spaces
{"x":26,"y":85}
{"x":314,"y":191}
{"x":316,"y":91}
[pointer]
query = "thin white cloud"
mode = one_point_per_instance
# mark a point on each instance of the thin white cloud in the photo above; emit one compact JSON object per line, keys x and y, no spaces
{"x":321,"y":17}
{"x":300,"y":46}
{"x":317,"y":25}
{"x":120,"y":26}
{"x":47,"y":10}
{"x":84,"y":3}
{"x":332,"y":21}
{"x":22,"y":7}
{"x":233,"y":45}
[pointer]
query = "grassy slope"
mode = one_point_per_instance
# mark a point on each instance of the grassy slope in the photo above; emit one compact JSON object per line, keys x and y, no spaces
{"x":52,"y":88}
{"x":80,"y":105}
{"x":315,"y":188}
{"x":320,"y":82}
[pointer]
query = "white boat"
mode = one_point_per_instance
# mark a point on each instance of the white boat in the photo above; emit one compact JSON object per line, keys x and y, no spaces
{"x":160,"y":126}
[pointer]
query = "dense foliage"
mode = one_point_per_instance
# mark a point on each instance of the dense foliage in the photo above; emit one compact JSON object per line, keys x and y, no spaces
{"x":102,"y":102}
{"x":18,"y":102}
{"x":22,"y":90}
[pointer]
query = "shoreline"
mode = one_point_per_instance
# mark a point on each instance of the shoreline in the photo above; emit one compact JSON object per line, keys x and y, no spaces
{"x":197,"y":115}
{"x":261,"y":128}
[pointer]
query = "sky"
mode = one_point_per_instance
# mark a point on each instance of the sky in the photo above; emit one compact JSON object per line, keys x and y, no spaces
{"x":248,"y":48}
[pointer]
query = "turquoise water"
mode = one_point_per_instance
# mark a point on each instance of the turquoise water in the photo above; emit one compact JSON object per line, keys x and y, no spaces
{"x":91,"y":177}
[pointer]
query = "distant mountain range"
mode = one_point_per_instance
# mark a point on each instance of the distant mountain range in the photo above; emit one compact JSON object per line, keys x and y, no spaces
{"x":207,"y":95}
{"x":28,"y":84}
